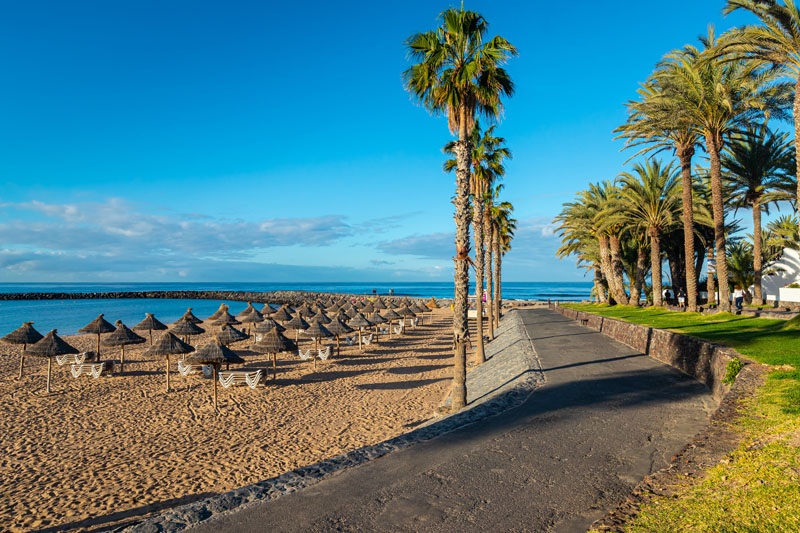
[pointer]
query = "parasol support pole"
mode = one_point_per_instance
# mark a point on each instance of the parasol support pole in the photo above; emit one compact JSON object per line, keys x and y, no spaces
{"x":274,"y":366}
{"x":49,"y":368}
{"x":167,"y":373}
{"x":215,"y":386}
{"x":151,"y":337}
{"x":122,"y":360}
{"x":22,"y":360}
{"x":98,"y":347}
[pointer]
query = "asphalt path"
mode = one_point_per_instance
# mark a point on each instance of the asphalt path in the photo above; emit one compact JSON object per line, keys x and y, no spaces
{"x":604,"y":418}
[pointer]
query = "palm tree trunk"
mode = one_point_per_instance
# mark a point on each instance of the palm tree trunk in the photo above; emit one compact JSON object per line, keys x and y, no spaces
{"x":685,"y":156}
{"x":463,"y":149}
{"x":713,"y":148}
{"x":598,"y":284}
{"x":655,"y":266}
{"x":477,"y":228}
{"x":698,"y":263}
{"x":605,"y":264}
{"x":796,"y":113}
{"x":712,"y":293}
{"x":757,"y":296}
{"x":616,"y":268}
{"x":496,"y":248}
{"x":487,"y":267}
{"x":487,"y":270}
{"x":636,"y":291}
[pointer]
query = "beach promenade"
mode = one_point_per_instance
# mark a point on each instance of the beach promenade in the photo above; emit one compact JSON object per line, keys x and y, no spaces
{"x":604,"y":418}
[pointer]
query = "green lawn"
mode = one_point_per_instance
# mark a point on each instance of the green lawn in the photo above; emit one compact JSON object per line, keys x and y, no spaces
{"x":757,"y":489}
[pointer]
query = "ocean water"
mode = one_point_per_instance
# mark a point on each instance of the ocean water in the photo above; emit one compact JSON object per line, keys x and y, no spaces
{"x":70,"y":315}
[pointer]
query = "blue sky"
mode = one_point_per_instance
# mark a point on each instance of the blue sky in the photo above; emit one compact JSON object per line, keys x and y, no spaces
{"x":261,"y":141}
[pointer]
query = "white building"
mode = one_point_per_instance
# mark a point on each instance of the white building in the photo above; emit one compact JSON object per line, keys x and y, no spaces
{"x":788,"y":271}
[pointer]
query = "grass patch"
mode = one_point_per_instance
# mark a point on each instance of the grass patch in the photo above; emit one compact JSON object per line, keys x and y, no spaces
{"x":758,"y":488}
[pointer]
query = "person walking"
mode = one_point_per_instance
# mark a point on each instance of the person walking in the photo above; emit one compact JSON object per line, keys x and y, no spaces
{"x":738,"y":298}
{"x":681,"y":298}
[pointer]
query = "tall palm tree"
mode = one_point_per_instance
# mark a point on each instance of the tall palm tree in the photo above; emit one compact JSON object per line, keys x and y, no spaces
{"x":503,"y":227}
{"x":755,"y":163}
{"x":649,"y":199}
{"x":776,"y":42}
{"x":459,"y":74}
{"x":719,"y":97}
{"x":784,"y":233}
{"x":488,"y":156}
{"x":654,"y":125}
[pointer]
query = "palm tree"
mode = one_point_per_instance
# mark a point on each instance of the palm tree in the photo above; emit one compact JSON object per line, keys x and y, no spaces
{"x":460,"y":74}
{"x":649,"y":200}
{"x":503,"y":227}
{"x":740,"y":257}
{"x":654,"y":124}
{"x":775,"y":42}
{"x":719,"y":98}
{"x":784,"y":233}
{"x":755,"y":164}
{"x":488,"y":155}
{"x":584,"y":212}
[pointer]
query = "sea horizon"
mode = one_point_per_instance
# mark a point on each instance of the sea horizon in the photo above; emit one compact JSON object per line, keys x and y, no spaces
{"x":69,"y":315}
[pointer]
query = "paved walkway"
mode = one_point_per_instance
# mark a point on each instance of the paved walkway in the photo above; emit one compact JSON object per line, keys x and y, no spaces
{"x":605,"y":417}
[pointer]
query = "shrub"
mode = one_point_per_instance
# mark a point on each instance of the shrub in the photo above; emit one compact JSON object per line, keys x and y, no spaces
{"x":732,"y":370}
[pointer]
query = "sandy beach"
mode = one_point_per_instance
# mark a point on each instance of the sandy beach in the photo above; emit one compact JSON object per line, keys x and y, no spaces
{"x":97,"y":453}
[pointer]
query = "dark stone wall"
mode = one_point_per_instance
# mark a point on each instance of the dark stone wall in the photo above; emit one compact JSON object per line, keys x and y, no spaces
{"x":704,"y":361}
{"x":277,"y":297}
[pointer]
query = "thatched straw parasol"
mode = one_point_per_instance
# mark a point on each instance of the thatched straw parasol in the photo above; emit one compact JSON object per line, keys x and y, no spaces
{"x":379,"y":305}
{"x":368,"y":309}
{"x":50,"y":346}
{"x":185,"y":329}
{"x":229,"y":334}
{"x":350,"y":311}
{"x":214,"y":353}
{"x":25,"y":334}
{"x":321,"y":317}
{"x":420,"y":309}
{"x":337,"y":327}
{"x":376,"y":319}
{"x":168,"y":344}
{"x":218,"y":313}
{"x":225,"y":318}
{"x":150,"y":324}
{"x":432,"y":304}
{"x":250,"y":315}
{"x":274,"y":342}
{"x":317,"y":331}
{"x":122,"y":336}
{"x":97,"y":326}
{"x":267,"y":325}
{"x":359,"y":321}
{"x":281,"y":315}
{"x":189,"y":316}
{"x":391,"y":316}
{"x":267,"y":310}
{"x":405,"y":312}
{"x":297,"y":324}
{"x":304,"y":310}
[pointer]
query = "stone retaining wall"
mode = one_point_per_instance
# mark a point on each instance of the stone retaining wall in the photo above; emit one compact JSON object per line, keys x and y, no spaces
{"x":274,"y":297}
{"x":704,"y":361}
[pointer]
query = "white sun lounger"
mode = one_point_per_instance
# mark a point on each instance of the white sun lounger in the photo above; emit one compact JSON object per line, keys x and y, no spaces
{"x":186,"y":369}
{"x":398,"y":329}
{"x":351,"y":340}
{"x":305,"y":355}
{"x":229,"y":378}
{"x":383,"y":331}
{"x":324,"y":354}
{"x":90,"y":369}
{"x":367,"y":340}
{"x":71,"y":359}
